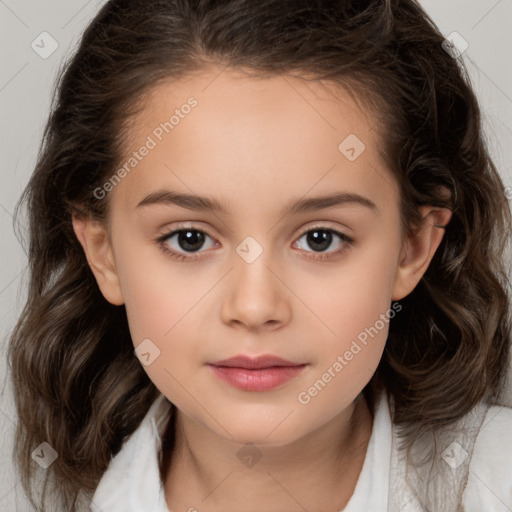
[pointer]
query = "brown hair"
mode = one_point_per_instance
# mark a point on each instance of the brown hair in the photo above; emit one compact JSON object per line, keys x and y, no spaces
{"x":79,"y":386}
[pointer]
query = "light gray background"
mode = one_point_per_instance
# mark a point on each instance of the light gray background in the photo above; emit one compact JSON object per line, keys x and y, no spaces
{"x":26,"y":82}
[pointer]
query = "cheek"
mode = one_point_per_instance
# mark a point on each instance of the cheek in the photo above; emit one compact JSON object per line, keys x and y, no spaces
{"x":164,"y":306}
{"x":161,"y":313}
{"x":351,"y":300}
{"x":151,"y":310}
{"x":357,"y":312}
{"x":355,"y":304}
{"x":159,"y":294}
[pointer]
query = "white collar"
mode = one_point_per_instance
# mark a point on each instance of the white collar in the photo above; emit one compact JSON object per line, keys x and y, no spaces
{"x":132,"y":482}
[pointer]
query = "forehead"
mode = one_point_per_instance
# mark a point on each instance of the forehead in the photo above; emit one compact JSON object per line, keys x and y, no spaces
{"x":238,"y":93}
{"x":223,"y":130}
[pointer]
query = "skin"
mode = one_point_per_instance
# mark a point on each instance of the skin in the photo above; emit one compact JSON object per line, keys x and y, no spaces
{"x":255,"y":144}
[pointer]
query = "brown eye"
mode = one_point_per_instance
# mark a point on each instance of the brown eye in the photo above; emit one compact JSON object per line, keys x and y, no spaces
{"x":319,"y":239}
{"x":179,"y":242}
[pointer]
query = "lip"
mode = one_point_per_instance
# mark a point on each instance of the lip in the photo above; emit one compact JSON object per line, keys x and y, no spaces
{"x":255,"y":363}
{"x":256,"y":374}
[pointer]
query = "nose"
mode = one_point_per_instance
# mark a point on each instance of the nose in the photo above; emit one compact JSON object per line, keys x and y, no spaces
{"x":256,"y":296}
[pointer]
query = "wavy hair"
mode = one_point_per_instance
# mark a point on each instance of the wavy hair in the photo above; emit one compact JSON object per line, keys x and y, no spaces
{"x":77,"y":383}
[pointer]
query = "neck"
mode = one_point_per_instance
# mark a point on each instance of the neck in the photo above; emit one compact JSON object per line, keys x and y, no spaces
{"x":317,"y":472}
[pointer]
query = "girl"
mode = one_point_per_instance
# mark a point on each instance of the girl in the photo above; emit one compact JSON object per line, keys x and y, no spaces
{"x":267,"y":272}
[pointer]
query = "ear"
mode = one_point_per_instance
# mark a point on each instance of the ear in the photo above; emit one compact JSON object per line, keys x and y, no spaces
{"x":419,"y":249}
{"x":95,"y":241}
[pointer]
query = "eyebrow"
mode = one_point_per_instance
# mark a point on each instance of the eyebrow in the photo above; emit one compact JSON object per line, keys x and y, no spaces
{"x":294,"y":207}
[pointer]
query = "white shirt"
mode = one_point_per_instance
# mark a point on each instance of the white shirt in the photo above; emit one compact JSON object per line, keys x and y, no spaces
{"x":132,"y":480}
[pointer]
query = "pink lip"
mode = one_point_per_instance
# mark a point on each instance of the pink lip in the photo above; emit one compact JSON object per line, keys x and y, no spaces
{"x":256,"y":374}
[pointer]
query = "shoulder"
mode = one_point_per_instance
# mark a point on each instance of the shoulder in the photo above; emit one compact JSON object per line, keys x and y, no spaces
{"x":489,"y":485}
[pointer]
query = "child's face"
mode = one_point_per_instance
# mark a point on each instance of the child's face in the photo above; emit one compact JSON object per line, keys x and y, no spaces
{"x":257,"y":285}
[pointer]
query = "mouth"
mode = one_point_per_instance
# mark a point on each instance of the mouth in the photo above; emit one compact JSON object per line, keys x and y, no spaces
{"x":262,"y":373}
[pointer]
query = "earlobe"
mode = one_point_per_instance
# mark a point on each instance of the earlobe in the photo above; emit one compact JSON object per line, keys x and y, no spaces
{"x":94,"y":239}
{"x":419,"y":249}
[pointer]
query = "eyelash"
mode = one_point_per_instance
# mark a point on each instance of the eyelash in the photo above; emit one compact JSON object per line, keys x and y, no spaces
{"x":322,"y":256}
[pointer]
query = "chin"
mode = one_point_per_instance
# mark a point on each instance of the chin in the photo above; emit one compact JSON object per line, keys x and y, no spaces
{"x":269,"y":432}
